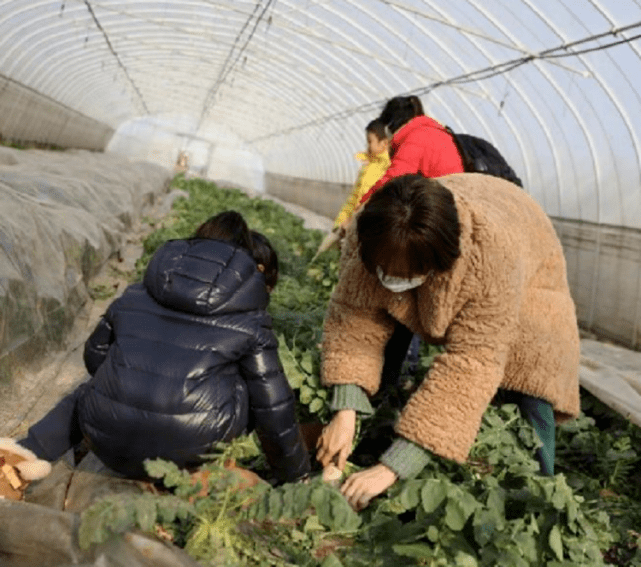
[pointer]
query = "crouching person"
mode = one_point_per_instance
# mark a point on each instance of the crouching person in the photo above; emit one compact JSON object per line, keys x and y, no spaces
{"x":183,"y":360}
{"x":470,"y":262}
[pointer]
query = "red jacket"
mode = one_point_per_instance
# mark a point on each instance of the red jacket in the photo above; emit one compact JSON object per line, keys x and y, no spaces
{"x":421,"y":146}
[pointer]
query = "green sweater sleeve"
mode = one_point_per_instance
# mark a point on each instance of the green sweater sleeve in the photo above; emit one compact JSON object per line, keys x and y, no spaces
{"x":350,"y":396}
{"x":405,"y":458}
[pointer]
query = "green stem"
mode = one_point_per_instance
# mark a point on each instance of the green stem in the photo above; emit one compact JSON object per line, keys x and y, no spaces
{"x":223,"y":508}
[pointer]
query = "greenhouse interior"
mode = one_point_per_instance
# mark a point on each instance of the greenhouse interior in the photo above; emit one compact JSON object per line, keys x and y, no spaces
{"x":112,"y":111}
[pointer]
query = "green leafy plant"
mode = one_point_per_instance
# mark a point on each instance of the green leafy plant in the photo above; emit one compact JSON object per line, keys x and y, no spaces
{"x":493,"y":511}
{"x":115,"y":515}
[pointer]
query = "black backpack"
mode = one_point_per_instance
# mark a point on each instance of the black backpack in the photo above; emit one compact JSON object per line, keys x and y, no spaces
{"x":479,"y":156}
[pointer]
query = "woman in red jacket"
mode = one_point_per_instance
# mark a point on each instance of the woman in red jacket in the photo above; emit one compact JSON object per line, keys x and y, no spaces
{"x":420,"y":144}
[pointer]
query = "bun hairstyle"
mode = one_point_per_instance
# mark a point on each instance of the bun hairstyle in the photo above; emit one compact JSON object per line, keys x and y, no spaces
{"x":399,"y":110}
{"x":229,"y":226}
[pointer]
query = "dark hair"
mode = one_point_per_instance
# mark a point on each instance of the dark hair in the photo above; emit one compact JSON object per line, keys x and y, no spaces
{"x":378,"y":128}
{"x":265,"y":254}
{"x":409,"y":227}
{"x":400,"y":110}
{"x":229,"y":226}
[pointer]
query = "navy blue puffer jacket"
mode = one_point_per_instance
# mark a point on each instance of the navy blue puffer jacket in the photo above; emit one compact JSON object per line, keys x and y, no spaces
{"x":186,"y":359}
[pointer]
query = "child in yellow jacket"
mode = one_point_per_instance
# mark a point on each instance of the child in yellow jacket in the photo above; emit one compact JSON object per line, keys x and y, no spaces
{"x":376,"y":161}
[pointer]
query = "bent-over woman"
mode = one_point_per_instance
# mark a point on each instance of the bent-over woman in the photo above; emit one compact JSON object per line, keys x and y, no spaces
{"x":473,"y":263}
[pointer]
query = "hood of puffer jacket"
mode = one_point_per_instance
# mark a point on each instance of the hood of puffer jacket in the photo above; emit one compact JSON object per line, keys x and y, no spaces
{"x":205,"y":277}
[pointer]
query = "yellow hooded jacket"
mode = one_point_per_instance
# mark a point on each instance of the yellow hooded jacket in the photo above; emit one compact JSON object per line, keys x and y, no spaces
{"x":373,"y":169}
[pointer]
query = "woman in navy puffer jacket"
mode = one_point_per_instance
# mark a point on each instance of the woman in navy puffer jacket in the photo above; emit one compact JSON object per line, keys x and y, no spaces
{"x":186,"y":359}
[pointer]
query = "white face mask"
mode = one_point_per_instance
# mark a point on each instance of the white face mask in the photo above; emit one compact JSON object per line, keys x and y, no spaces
{"x":398,"y":285}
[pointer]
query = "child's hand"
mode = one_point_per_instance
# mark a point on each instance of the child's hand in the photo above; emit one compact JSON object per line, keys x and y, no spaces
{"x":345,"y":224}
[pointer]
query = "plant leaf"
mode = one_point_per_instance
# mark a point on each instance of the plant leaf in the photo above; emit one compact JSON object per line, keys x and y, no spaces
{"x":433,"y":494}
{"x":554,"y":539}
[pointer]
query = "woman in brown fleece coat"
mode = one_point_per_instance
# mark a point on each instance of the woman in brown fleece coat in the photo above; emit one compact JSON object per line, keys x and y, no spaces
{"x":466,"y":260}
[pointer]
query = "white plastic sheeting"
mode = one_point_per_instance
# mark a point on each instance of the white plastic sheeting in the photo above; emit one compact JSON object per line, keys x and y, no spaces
{"x":62,"y":215}
{"x":28,"y":116}
{"x":613,"y":374}
{"x":552,"y":84}
{"x":277,"y":92}
{"x":220,"y":154}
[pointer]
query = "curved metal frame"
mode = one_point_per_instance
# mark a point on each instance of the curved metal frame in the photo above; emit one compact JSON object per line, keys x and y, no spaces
{"x":309,"y":61}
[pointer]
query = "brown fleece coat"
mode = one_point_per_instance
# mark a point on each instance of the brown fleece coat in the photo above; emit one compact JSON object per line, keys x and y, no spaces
{"x":503,"y":312}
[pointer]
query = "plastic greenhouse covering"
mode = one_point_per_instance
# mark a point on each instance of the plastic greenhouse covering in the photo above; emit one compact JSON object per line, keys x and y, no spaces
{"x":273,"y":96}
{"x":291,"y":83}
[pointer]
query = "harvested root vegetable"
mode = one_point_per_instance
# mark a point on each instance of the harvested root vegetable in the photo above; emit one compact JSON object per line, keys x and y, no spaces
{"x":332,"y":475}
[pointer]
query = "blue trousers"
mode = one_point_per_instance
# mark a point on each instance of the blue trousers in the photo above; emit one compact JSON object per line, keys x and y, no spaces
{"x":58,"y":431}
{"x":540,"y":415}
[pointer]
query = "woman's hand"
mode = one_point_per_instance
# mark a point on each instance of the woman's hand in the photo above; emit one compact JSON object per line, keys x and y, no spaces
{"x":361,"y":487}
{"x":335,"y":443}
